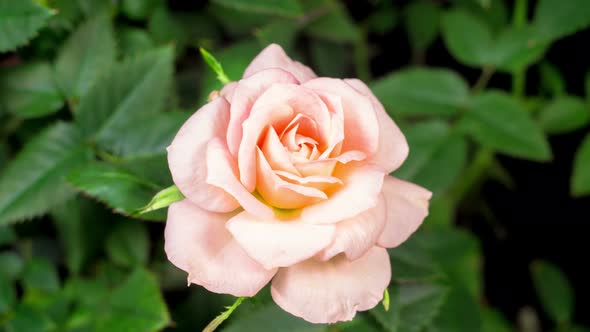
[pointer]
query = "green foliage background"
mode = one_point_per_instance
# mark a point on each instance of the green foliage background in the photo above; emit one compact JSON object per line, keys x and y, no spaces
{"x":91,"y":93}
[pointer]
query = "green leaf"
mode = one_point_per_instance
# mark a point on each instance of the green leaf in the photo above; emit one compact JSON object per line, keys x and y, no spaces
{"x":239,"y":24}
{"x":498,"y":121}
{"x":358,"y":324}
{"x":19,"y":22}
{"x":68,"y":13}
{"x":26,"y":318}
{"x":565,"y":114}
{"x":269,"y":318}
{"x":11,"y":265}
{"x":495,"y":15}
{"x":556,"y":19}
{"x":165,"y":28}
{"x":120,"y":189}
{"x":40,"y":275}
{"x":515,"y":48}
{"x":81,"y":227}
{"x":87,"y":53}
{"x":162,"y":199}
{"x":385,"y":301}
{"x":459,"y":313}
{"x":459,"y":255}
{"x":414,"y":263}
{"x":215,"y":66}
{"x":552,"y":81}
{"x":493,"y":321}
{"x":128,"y":245}
{"x":472,"y":42}
{"x":235,"y":59}
{"x":422,"y":22}
{"x":580,"y":182}
{"x":152,"y":167}
{"x":133,"y":41}
{"x":136,"y":87}
{"x":29,"y":90}
{"x":138,"y":9}
{"x":7,"y":235}
{"x":149,"y":139}
{"x":554,"y":291}
{"x":330,"y":59}
{"x":413,"y":306}
{"x":438,"y":156}
{"x":422,"y":91}
{"x":441,"y":211}
{"x":34,"y":181}
{"x":136,"y":305}
{"x":336,"y":25}
{"x":282,"y":33}
{"x":7,"y":294}
{"x":287,"y":8}
{"x":467,"y":37}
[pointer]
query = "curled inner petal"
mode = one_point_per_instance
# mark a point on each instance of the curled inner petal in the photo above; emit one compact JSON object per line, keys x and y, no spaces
{"x":280,"y":193}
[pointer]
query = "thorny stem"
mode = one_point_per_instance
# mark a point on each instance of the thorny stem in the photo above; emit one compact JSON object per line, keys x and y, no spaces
{"x":484,"y":78}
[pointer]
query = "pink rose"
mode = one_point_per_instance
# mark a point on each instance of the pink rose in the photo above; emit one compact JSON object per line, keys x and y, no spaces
{"x":286,"y":178}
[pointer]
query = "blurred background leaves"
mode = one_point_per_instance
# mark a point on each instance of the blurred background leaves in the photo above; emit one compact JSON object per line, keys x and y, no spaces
{"x":92,"y":92}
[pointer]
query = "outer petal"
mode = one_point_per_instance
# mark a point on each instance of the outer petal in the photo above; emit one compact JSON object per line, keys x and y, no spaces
{"x":198,"y":243}
{"x":355,"y":236}
{"x":407,"y":206}
{"x":393,"y":147}
{"x":275,"y":243}
{"x":244,"y":94}
{"x":273,"y":56}
{"x":228,"y":90}
{"x":186,"y":162}
{"x":332,"y":291}
{"x":361,"y":128}
{"x":223,"y":175}
{"x":360,"y":192}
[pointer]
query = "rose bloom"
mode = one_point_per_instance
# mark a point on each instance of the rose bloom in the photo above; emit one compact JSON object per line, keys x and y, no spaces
{"x":286,"y":181}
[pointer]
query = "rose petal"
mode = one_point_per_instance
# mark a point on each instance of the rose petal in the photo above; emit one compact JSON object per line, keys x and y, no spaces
{"x":325,"y":167}
{"x":280,"y":193}
{"x":320,"y":182}
{"x":197,"y":242}
{"x":276,"y":107}
{"x":273,"y":56}
{"x":361,"y":128}
{"x":407,"y":206}
{"x":360,"y":192}
{"x":321,"y":167}
{"x":355,"y":236}
{"x":332,"y":291}
{"x":186,"y":162}
{"x":393,"y":147}
{"x":312,"y":179}
{"x":243,"y":96}
{"x":228,"y":90}
{"x":275,"y":153}
{"x":274,"y":243}
{"x":223,"y":175}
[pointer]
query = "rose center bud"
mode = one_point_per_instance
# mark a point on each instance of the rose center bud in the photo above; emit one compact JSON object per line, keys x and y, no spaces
{"x":292,"y":170}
